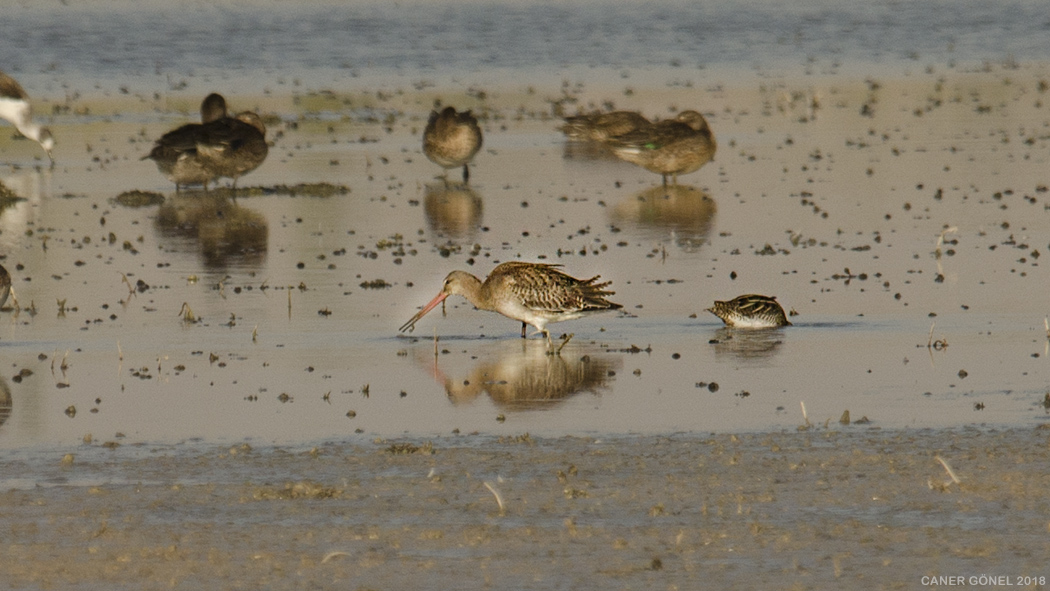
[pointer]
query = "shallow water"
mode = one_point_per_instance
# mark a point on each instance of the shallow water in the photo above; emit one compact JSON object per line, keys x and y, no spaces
{"x":835,"y":212}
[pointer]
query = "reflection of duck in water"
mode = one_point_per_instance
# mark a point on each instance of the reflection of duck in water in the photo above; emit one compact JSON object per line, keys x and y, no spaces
{"x":221,"y":227}
{"x":523,"y":376}
{"x":15,"y":107}
{"x":681,"y":210}
{"x":451,"y":139}
{"x":751,"y":311}
{"x":533,"y":293}
{"x":452,"y":210}
{"x":673,"y":147}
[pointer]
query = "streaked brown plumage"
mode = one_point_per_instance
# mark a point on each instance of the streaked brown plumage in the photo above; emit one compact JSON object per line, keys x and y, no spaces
{"x":14,"y":107}
{"x":600,"y":127}
{"x":751,"y":311}
{"x":5,"y":285}
{"x":533,"y":293}
{"x":672,"y":147}
{"x":451,"y":139}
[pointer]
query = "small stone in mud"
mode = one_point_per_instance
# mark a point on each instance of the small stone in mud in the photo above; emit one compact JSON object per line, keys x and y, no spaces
{"x":71,"y":411}
{"x":376,"y":284}
{"x":963,"y":374}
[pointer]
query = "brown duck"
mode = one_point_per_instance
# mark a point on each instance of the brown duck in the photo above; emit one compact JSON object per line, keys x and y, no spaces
{"x":672,"y":147}
{"x":451,"y":139}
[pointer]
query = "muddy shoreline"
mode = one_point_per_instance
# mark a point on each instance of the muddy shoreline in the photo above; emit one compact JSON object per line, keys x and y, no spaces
{"x":810,"y":509}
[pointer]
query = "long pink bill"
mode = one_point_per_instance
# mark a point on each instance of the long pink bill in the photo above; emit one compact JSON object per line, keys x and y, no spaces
{"x":411,"y":324}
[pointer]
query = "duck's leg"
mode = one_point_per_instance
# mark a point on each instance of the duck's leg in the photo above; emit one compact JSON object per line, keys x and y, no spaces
{"x":523,"y":325}
{"x":466,"y":173}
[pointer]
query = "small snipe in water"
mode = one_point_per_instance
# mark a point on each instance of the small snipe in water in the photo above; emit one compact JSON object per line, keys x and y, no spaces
{"x":751,"y":311}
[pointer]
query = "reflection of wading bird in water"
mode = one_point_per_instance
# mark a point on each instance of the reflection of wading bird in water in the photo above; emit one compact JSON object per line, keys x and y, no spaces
{"x":534,"y":293}
{"x":522,"y":376}
{"x":451,"y":139}
{"x":673,"y":147}
{"x":14,"y":107}
{"x":751,"y":311}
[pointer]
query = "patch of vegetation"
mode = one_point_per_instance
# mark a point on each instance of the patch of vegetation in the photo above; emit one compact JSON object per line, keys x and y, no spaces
{"x":138,"y":198}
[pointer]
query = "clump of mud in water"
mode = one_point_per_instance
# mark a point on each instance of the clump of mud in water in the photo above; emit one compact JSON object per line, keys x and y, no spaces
{"x":137,"y":198}
{"x":299,"y":190}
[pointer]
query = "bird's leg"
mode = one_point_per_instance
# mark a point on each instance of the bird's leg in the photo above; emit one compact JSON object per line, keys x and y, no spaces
{"x":523,"y":325}
{"x":550,"y":345}
{"x":466,"y":173}
{"x":565,"y":341}
{"x":665,"y":180}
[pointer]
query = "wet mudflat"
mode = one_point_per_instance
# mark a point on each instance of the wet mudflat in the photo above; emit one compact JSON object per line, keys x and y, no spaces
{"x":902,"y":220}
{"x":792,"y":510}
